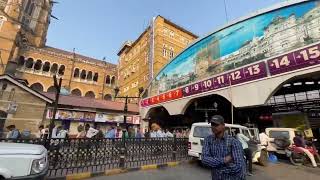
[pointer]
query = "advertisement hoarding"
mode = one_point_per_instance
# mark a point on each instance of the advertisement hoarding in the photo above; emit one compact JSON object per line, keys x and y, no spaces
{"x":287,"y":38}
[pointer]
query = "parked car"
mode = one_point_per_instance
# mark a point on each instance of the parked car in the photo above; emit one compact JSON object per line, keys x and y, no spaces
{"x":281,"y":142}
{"x":280,"y":139}
{"x":23,"y":161}
{"x":201,"y":130}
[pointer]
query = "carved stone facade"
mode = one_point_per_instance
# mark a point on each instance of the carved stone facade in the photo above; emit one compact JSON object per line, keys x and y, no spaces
{"x":23,"y":30}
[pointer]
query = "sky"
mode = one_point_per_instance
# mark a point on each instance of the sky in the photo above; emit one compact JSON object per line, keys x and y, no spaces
{"x":98,"y":28}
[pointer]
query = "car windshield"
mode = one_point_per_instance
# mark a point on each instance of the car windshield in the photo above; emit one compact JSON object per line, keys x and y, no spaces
{"x":202,"y":132}
{"x":279,"y":134}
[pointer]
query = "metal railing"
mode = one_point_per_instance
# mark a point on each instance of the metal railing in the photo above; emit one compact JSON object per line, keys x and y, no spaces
{"x":68,"y":156}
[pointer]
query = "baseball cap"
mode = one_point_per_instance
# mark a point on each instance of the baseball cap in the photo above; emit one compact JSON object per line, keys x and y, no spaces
{"x":217,"y":119}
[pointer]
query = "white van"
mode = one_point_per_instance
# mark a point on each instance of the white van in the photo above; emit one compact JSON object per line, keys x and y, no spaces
{"x":201,"y":130}
{"x":23,"y":161}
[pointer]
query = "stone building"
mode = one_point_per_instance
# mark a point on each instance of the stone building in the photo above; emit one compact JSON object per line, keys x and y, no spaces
{"x":140,"y":60}
{"x":23,"y":31}
{"x":26,"y":108}
{"x":20,"y":105}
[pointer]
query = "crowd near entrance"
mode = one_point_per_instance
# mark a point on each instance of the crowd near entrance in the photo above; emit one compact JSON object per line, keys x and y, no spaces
{"x":294,"y":104}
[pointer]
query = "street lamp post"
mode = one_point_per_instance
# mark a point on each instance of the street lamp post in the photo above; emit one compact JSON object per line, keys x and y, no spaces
{"x":56,"y":102}
{"x":125,"y":111}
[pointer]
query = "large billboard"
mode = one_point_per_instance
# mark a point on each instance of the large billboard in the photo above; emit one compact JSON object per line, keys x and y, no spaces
{"x":233,"y":48}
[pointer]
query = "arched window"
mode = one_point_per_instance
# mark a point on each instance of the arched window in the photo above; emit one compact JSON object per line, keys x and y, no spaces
{"x":95,"y":77}
{"x":107,"y":97}
{"x":61,"y":70}
{"x":108,"y":81}
{"x":38,"y":65}
{"x":29,"y":63}
{"x":83,"y":74}
{"x":89,"y":76}
{"x":3,"y":117}
{"x":76,"y":92}
{"x":52,"y":89}
{"x":37,"y":87}
{"x":113,"y":80}
{"x":28,"y":8}
{"x":21,"y":61}
{"x":90,"y":94}
{"x":76,"y":73}
{"x":11,"y":95}
{"x":46,"y":67}
{"x":54,"y":68}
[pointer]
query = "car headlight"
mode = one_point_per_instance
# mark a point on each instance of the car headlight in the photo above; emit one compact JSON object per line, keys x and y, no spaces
{"x":38,"y":165}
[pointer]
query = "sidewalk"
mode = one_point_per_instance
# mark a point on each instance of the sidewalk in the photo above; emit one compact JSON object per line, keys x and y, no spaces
{"x":280,"y":171}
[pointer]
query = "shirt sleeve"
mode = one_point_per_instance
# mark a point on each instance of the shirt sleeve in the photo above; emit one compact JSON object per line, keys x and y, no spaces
{"x":245,"y":138}
{"x":54,"y":133}
{"x":238,"y":159}
{"x":207,"y":159}
{"x":15,"y":134}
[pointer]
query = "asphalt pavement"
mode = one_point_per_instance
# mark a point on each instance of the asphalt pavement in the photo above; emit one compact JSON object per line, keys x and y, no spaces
{"x":279,"y":171}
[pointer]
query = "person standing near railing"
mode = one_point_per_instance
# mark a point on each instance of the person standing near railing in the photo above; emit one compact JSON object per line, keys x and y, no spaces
{"x":59,"y":133}
{"x":90,"y":132}
{"x":147,"y":134}
{"x":13,"y":132}
{"x":111,"y":133}
{"x":81,"y":132}
{"x":247,"y":152}
{"x":159,"y":133}
{"x":139,"y":133}
{"x":168,"y":134}
{"x":43,"y":132}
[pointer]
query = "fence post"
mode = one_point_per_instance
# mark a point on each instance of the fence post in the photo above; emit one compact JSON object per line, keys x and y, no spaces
{"x":174,"y":152}
{"x":123,"y":152}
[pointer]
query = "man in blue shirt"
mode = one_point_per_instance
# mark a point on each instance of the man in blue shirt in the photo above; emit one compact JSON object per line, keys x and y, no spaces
{"x":223,"y":153}
{"x":111,"y":133}
{"x":13,"y":132}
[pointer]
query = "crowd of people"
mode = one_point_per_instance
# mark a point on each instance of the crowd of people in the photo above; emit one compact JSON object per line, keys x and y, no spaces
{"x":86,"y":131}
{"x":14,"y":133}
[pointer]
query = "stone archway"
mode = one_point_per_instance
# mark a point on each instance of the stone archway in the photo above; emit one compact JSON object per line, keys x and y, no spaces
{"x":76,"y":92}
{"x":108,"y":97}
{"x":37,"y":87}
{"x":52,"y":89}
{"x":90,"y":94}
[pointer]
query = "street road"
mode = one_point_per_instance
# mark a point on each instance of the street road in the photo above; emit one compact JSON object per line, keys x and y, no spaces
{"x":280,"y":171}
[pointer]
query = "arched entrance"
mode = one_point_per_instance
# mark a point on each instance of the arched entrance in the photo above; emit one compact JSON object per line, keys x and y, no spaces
{"x":295,"y":103}
{"x":3,"y":117}
{"x":160,"y":116}
{"x":203,"y":108}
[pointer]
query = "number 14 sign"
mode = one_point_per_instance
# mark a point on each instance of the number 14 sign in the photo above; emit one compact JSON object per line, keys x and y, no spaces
{"x":295,"y":60}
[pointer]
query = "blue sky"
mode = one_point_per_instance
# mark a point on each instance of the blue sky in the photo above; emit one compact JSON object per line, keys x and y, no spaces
{"x":232,"y":38}
{"x":97,"y":28}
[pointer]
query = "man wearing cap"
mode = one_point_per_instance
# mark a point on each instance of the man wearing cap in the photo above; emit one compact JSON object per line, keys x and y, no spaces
{"x":223,"y":153}
{"x":13,"y":132}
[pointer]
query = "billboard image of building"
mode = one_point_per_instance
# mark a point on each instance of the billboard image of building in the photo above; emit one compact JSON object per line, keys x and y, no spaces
{"x":260,"y":37}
